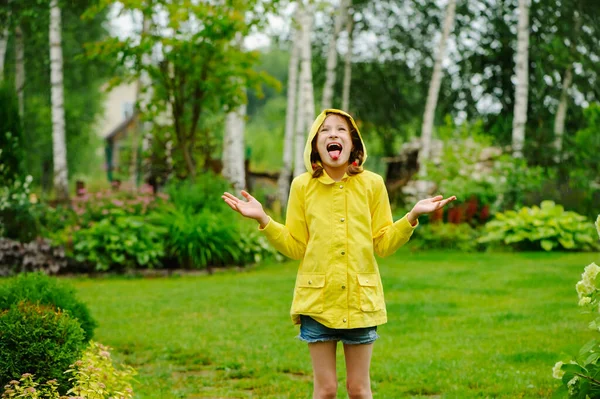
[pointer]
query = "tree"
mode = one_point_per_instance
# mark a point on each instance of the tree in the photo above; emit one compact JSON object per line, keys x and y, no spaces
{"x":283,"y":182}
{"x":434,"y":89}
{"x":4,"y":20}
{"x":340,"y":14}
{"x":522,"y":80}
{"x":59,"y":145}
{"x":348,"y":61}
{"x":199,"y":73}
{"x":19,"y":67}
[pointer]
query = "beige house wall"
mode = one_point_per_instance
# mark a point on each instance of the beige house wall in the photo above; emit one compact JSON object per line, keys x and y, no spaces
{"x":118,"y":106}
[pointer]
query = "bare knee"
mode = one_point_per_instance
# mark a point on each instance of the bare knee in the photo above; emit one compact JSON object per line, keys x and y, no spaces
{"x":325,"y":390}
{"x":359,"y":389}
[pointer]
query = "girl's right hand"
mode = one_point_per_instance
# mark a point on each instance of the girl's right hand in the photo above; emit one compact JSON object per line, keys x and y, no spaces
{"x":251,"y":208}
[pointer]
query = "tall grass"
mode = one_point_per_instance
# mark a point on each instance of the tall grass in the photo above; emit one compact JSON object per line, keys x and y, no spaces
{"x":460,"y":326}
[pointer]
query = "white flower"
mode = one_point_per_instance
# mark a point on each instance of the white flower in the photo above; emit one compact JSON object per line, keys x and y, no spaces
{"x":587,"y":285}
{"x":585,"y":300}
{"x":557,"y":372}
{"x":571,"y":385}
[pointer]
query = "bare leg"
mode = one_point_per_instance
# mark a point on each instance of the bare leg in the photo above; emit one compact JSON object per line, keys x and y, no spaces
{"x":323,"y":362}
{"x":358,"y":362}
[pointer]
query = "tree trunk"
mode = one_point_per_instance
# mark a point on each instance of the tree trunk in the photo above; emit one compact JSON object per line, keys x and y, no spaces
{"x":19,"y":67}
{"x":59,"y":146}
{"x":141,"y":99}
{"x":233,"y":148}
{"x":561,"y":112}
{"x":434,"y":90}
{"x":3,"y":45}
{"x":348,"y":61}
{"x":283,"y":181}
{"x":306,"y":113}
{"x":332,"y":56}
{"x":522,"y":85}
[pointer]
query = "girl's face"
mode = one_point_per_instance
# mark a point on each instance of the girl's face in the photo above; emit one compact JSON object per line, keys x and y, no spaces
{"x":334,"y":142}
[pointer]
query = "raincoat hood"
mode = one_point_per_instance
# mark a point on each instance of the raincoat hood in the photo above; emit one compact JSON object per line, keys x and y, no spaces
{"x":315,"y":128}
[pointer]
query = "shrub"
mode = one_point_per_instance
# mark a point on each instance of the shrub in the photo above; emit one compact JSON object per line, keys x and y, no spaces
{"x":37,"y":256}
{"x":38,"y":339}
{"x":11,"y":166}
{"x":461,"y":237}
{"x":17,"y":211}
{"x":127,"y":242}
{"x":547,"y":227}
{"x":27,"y":388}
{"x":39,"y":288}
{"x":203,"y":194}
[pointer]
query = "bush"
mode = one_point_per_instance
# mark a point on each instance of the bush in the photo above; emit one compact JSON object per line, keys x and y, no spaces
{"x":546,"y":227}
{"x":203,"y":194}
{"x":38,"y":339}
{"x":10,"y":136}
{"x":126,"y":243}
{"x":39,"y":288}
{"x":36,"y":256}
{"x":460,"y":237}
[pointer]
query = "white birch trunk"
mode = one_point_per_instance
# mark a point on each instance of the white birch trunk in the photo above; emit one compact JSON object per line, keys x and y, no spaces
{"x":522,"y":84}
{"x":561,"y":112}
{"x":59,"y":146}
{"x":19,"y":67}
{"x":348,"y":62}
{"x":434,"y":90}
{"x":3,"y":45}
{"x":283,"y":181}
{"x":141,"y":98}
{"x":233,"y":148}
{"x":306,"y":101}
{"x":332,"y":56}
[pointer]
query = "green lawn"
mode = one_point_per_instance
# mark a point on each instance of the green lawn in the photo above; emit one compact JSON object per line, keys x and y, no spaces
{"x":460,"y":326}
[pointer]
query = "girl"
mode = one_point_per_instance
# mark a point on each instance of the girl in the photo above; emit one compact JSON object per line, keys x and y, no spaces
{"x":338,"y":217}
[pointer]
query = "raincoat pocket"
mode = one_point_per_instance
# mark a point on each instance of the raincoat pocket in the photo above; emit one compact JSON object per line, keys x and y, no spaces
{"x":371,"y":299}
{"x":309,"y":293}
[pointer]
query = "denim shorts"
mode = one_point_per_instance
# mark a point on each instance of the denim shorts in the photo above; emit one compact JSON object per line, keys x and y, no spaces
{"x":312,"y":331}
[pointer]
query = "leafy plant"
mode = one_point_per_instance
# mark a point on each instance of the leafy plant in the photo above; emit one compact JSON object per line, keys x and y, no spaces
{"x":39,"y":255}
{"x":460,"y":237}
{"x":27,"y":388}
{"x":39,"y":339}
{"x":547,"y":227}
{"x":128,"y":242}
{"x":203,"y":193}
{"x":95,"y":375}
{"x":45,"y":290}
{"x":580,"y":377}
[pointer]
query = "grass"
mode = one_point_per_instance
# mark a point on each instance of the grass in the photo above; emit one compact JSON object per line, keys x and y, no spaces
{"x":460,"y":326}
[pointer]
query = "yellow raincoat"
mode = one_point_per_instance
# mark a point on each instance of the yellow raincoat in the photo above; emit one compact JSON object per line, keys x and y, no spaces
{"x":336,"y":228}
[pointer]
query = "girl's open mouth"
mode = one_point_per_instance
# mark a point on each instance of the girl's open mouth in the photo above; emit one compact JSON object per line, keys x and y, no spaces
{"x":334,"y":150}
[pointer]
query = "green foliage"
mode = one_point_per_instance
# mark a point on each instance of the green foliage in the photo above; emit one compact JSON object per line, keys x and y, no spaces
{"x":95,"y":375}
{"x":202,"y":194}
{"x":17,"y":210}
{"x":127,"y":242}
{"x":27,"y":388}
{"x":264,"y":136}
{"x":546,"y":227}
{"x":10,"y":136}
{"x":39,"y":288}
{"x":38,"y":339}
{"x":460,"y":237}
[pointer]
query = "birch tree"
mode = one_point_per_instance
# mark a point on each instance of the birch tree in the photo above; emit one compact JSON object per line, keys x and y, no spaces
{"x":59,"y":147}
{"x":306,"y":102}
{"x":283,"y":182}
{"x":233,"y":148}
{"x":3,"y":43}
{"x":332,"y":55}
{"x":19,"y":67}
{"x":567,"y":80}
{"x":434,"y":89}
{"x":348,"y":60}
{"x":522,"y":80}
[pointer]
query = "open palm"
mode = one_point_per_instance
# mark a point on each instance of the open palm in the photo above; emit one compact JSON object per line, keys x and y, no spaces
{"x":429,"y":205}
{"x":250,"y":208}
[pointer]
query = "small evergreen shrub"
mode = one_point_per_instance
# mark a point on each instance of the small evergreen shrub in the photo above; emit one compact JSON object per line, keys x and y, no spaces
{"x":545,"y":227}
{"x":45,"y":290}
{"x":39,"y":339}
{"x":36,"y":256}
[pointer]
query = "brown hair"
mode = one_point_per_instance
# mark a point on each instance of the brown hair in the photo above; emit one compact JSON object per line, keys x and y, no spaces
{"x":357,"y":153}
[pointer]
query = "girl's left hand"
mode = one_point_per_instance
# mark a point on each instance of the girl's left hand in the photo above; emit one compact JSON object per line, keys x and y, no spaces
{"x":429,"y":205}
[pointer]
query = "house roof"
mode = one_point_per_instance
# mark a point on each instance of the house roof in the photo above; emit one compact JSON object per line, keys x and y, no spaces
{"x":121,"y":127}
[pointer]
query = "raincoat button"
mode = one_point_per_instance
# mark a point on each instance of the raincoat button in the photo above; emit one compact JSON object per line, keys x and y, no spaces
{"x":342,"y":220}
{"x":344,"y":320}
{"x":341,"y":186}
{"x":343,"y":287}
{"x":343,"y":253}
{"x":309,"y":281}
